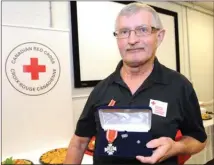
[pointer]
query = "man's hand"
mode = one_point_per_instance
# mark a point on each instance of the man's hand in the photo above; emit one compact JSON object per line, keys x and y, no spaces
{"x":165,"y":148}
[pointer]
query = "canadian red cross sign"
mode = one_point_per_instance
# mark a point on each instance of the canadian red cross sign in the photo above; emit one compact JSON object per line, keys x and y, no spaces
{"x":32,"y":68}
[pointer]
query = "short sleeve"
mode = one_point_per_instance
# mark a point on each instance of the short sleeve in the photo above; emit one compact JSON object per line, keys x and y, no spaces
{"x":86,"y":125}
{"x":192,"y":124}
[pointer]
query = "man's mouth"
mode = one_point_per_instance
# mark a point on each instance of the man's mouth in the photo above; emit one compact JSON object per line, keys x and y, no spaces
{"x":135,"y":50}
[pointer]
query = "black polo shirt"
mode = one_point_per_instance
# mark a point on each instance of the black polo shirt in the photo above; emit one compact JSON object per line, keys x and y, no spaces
{"x":163,"y":84}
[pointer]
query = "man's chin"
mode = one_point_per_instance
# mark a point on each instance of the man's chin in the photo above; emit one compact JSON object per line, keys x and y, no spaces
{"x":134,"y":64}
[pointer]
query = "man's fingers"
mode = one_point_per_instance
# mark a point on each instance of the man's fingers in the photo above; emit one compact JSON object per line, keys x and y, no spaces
{"x":143,"y":159}
{"x":162,"y":146}
{"x":149,"y":159}
{"x":157,"y":154}
{"x":156,"y":157}
{"x":154,"y":143}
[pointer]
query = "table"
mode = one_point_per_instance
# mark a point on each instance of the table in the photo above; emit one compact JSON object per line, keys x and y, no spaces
{"x":208,"y":123}
{"x":87,"y":159}
{"x":35,"y":155}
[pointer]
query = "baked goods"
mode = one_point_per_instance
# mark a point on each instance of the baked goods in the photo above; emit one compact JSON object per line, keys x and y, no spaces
{"x":55,"y":156}
{"x":17,"y":161}
{"x":206,"y":116}
{"x":22,"y":161}
{"x":91,"y":144}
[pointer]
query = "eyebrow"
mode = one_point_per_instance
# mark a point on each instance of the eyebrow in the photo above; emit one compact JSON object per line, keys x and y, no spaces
{"x":123,"y":28}
{"x":135,"y":27}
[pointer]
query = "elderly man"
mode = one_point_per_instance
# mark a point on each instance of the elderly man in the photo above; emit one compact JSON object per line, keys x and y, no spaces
{"x":138,"y":80}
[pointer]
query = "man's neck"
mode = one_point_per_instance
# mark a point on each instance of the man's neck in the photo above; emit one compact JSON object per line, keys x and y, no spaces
{"x":134,"y":73}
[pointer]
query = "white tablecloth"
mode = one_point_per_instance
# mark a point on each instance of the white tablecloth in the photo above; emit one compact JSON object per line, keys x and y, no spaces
{"x":35,"y":155}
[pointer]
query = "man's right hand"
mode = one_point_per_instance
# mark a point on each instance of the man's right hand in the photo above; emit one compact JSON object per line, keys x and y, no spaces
{"x":76,"y":150}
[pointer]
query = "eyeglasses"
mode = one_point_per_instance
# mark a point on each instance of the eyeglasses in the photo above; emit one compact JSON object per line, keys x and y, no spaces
{"x":139,"y":31}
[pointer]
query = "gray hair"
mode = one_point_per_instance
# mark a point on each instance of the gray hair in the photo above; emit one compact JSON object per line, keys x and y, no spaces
{"x":139,"y":6}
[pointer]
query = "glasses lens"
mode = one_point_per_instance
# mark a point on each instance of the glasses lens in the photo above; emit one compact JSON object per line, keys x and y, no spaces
{"x":143,"y":30}
{"x":123,"y":33}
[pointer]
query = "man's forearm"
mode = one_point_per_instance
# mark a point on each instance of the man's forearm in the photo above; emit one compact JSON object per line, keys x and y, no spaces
{"x":187,"y":145}
{"x":74,"y":155}
{"x":76,"y":150}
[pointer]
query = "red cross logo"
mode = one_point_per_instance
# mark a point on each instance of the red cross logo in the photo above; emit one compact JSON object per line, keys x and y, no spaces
{"x":34,"y":68}
{"x":153,"y":103}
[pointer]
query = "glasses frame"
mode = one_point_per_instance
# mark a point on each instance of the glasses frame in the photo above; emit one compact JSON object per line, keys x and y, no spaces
{"x":153,"y":29}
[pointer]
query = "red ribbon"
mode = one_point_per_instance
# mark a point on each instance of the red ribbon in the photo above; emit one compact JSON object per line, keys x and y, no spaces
{"x":111,"y":135}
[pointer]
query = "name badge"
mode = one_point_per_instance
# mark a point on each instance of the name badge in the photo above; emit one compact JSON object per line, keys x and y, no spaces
{"x":158,"y":107}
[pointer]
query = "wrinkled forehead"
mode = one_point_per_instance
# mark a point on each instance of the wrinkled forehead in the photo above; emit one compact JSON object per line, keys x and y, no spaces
{"x":133,"y":20}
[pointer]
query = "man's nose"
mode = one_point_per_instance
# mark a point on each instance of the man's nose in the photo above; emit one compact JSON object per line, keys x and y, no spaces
{"x":133,"y":38}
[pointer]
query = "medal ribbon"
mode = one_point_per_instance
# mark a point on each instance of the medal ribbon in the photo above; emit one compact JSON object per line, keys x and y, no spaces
{"x":111,"y":135}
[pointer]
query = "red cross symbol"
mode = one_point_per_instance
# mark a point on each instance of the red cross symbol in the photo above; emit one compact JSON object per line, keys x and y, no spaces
{"x":34,"y":68}
{"x":153,"y":103}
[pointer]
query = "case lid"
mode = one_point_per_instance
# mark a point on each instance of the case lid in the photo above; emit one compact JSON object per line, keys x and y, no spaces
{"x":130,"y":119}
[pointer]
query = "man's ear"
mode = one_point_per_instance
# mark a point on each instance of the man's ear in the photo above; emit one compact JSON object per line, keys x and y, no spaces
{"x":160,"y":36}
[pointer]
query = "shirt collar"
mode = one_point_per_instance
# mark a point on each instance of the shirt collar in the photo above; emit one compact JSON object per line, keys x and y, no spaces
{"x":157,"y":75}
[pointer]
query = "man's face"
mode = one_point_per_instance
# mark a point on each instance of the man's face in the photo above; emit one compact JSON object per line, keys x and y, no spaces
{"x":137,"y":50}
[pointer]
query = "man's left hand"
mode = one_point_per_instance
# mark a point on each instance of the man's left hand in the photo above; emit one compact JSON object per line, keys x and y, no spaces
{"x":164,"y":149}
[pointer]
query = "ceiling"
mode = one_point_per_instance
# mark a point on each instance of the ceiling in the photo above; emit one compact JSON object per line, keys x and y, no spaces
{"x":206,"y":5}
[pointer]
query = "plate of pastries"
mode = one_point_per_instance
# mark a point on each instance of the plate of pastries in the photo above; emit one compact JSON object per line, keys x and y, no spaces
{"x":91,"y":144}
{"x":10,"y":160}
{"x":54,"y":156}
{"x":206,"y":116}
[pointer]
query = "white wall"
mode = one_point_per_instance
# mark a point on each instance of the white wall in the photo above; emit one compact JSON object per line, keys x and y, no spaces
{"x":26,"y":13}
{"x":200,"y":31}
{"x":59,"y":18}
{"x":0,"y":76}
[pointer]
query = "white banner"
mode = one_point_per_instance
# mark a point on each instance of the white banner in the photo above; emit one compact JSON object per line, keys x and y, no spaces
{"x":36,"y":89}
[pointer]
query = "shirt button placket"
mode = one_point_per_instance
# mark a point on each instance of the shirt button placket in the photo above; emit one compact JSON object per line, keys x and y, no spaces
{"x":131,"y":102}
